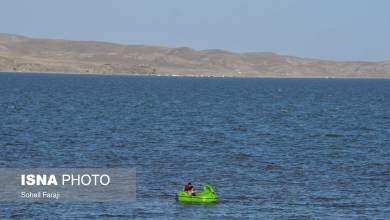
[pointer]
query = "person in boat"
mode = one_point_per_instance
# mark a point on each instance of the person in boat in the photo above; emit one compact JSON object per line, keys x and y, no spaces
{"x":188,"y":188}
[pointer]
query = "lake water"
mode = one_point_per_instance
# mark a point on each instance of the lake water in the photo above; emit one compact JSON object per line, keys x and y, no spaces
{"x":272,"y":148}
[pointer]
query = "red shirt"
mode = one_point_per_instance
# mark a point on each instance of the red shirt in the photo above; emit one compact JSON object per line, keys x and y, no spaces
{"x":187,"y":188}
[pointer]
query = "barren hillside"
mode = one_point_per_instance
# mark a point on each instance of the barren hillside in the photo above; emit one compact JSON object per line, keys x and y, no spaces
{"x":22,"y":54}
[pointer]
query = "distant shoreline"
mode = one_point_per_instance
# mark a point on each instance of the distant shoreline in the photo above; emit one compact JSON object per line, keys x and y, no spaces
{"x":24,"y":54}
{"x":196,"y":76}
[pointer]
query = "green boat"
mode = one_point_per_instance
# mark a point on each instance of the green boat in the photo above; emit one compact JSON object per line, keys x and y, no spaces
{"x":206,"y":196}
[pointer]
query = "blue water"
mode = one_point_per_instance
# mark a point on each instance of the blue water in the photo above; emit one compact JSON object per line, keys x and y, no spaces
{"x":273,"y":148}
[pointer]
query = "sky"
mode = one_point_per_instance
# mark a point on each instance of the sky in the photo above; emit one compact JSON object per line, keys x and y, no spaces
{"x":325,"y":29}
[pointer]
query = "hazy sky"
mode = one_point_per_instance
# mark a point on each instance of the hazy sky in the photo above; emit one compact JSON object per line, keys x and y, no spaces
{"x":330,"y":29}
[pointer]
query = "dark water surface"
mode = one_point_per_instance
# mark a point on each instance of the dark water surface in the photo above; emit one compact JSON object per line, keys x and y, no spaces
{"x":273,"y":148}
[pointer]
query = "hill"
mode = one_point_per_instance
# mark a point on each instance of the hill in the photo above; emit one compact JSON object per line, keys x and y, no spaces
{"x":23,"y":54}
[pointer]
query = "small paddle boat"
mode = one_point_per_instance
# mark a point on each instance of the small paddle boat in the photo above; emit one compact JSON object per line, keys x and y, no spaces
{"x":206,"y":196}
